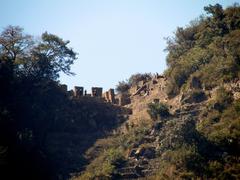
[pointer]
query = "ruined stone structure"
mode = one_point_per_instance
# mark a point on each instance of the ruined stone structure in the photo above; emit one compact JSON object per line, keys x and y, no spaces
{"x":109,"y":96}
{"x":106,"y":96}
{"x":97,"y":91}
{"x":123,"y":99}
{"x":78,"y":91}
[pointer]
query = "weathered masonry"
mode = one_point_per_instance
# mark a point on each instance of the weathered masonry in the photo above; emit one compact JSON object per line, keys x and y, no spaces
{"x":109,"y":96}
{"x":97,"y":91}
{"x":78,"y":91}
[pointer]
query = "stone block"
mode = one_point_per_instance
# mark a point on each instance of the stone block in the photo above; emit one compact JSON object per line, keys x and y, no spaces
{"x":97,"y":91}
{"x":78,"y":91}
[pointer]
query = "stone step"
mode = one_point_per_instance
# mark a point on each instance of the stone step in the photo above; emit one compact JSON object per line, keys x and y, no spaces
{"x":126,"y":170}
{"x":147,"y":172}
{"x":143,"y":168}
{"x":129,"y":176}
{"x":188,"y":112}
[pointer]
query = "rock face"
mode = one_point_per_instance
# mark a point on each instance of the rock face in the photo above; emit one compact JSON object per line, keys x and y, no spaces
{"x":162,"y":135}
{"x":144,"y":93}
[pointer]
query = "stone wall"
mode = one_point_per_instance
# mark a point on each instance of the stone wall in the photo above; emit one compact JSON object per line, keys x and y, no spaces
{"x":109,"y":96}
{"x":97,"y":91}
{"x":78,"y":91}
{"x":123,"y":99}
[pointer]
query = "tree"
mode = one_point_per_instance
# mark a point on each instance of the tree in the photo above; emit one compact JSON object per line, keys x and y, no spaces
{"x":14,"y":43}
{"x":215,"y":10}
{"x":51,"y":56}
{"x":14,"y":47}
{"x":26,"y":57}
{"x":217,"y":22}
{"x":48,"y":58}
{"x":30,"y":98}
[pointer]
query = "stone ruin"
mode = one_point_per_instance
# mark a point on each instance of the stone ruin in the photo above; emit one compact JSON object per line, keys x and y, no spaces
{"x":97,"y":91}
{"x":78,"y":91}
{"x":109,"y":96}
{"x":123,"y":99}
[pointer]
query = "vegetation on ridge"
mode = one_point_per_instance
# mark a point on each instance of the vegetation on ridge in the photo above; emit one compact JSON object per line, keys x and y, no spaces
{"x":208,"y":48}
{"x":47,"y":134}
{"x":192,"y":145}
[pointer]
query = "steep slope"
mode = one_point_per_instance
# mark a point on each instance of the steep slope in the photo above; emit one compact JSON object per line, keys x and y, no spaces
{"x":170,"y":147}
{"x":144,"y":160}
{"x":185,"y":124}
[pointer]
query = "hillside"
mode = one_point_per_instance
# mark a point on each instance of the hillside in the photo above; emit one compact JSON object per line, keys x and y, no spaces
{"x":184,"y":124}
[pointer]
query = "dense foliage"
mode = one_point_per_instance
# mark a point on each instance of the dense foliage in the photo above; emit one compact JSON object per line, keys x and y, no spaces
{"x":208,"y":48}
{"x":158,"y":111}
{"x":29,"y":97}
{"x":43,"y":132}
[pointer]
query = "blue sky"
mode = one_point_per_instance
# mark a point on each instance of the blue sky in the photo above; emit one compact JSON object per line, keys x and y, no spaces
{"x":113,"y":38}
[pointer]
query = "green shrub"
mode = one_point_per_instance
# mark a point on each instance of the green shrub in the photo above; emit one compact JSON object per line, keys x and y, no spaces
{"x":136,"y":78}
{"x":223,"y":99}
{"x":208,"y":47}
{"x":223,"y":127}
{"x":104,"y":166}
{"x":186,"y":160}
{"x":122,"y":87}
{"x":195,"y":96}
{"x":158,"y":110}
{"x":198,"y":95}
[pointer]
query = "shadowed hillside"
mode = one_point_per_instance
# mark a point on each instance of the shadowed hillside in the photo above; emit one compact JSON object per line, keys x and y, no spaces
{"x":44,"y":131}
